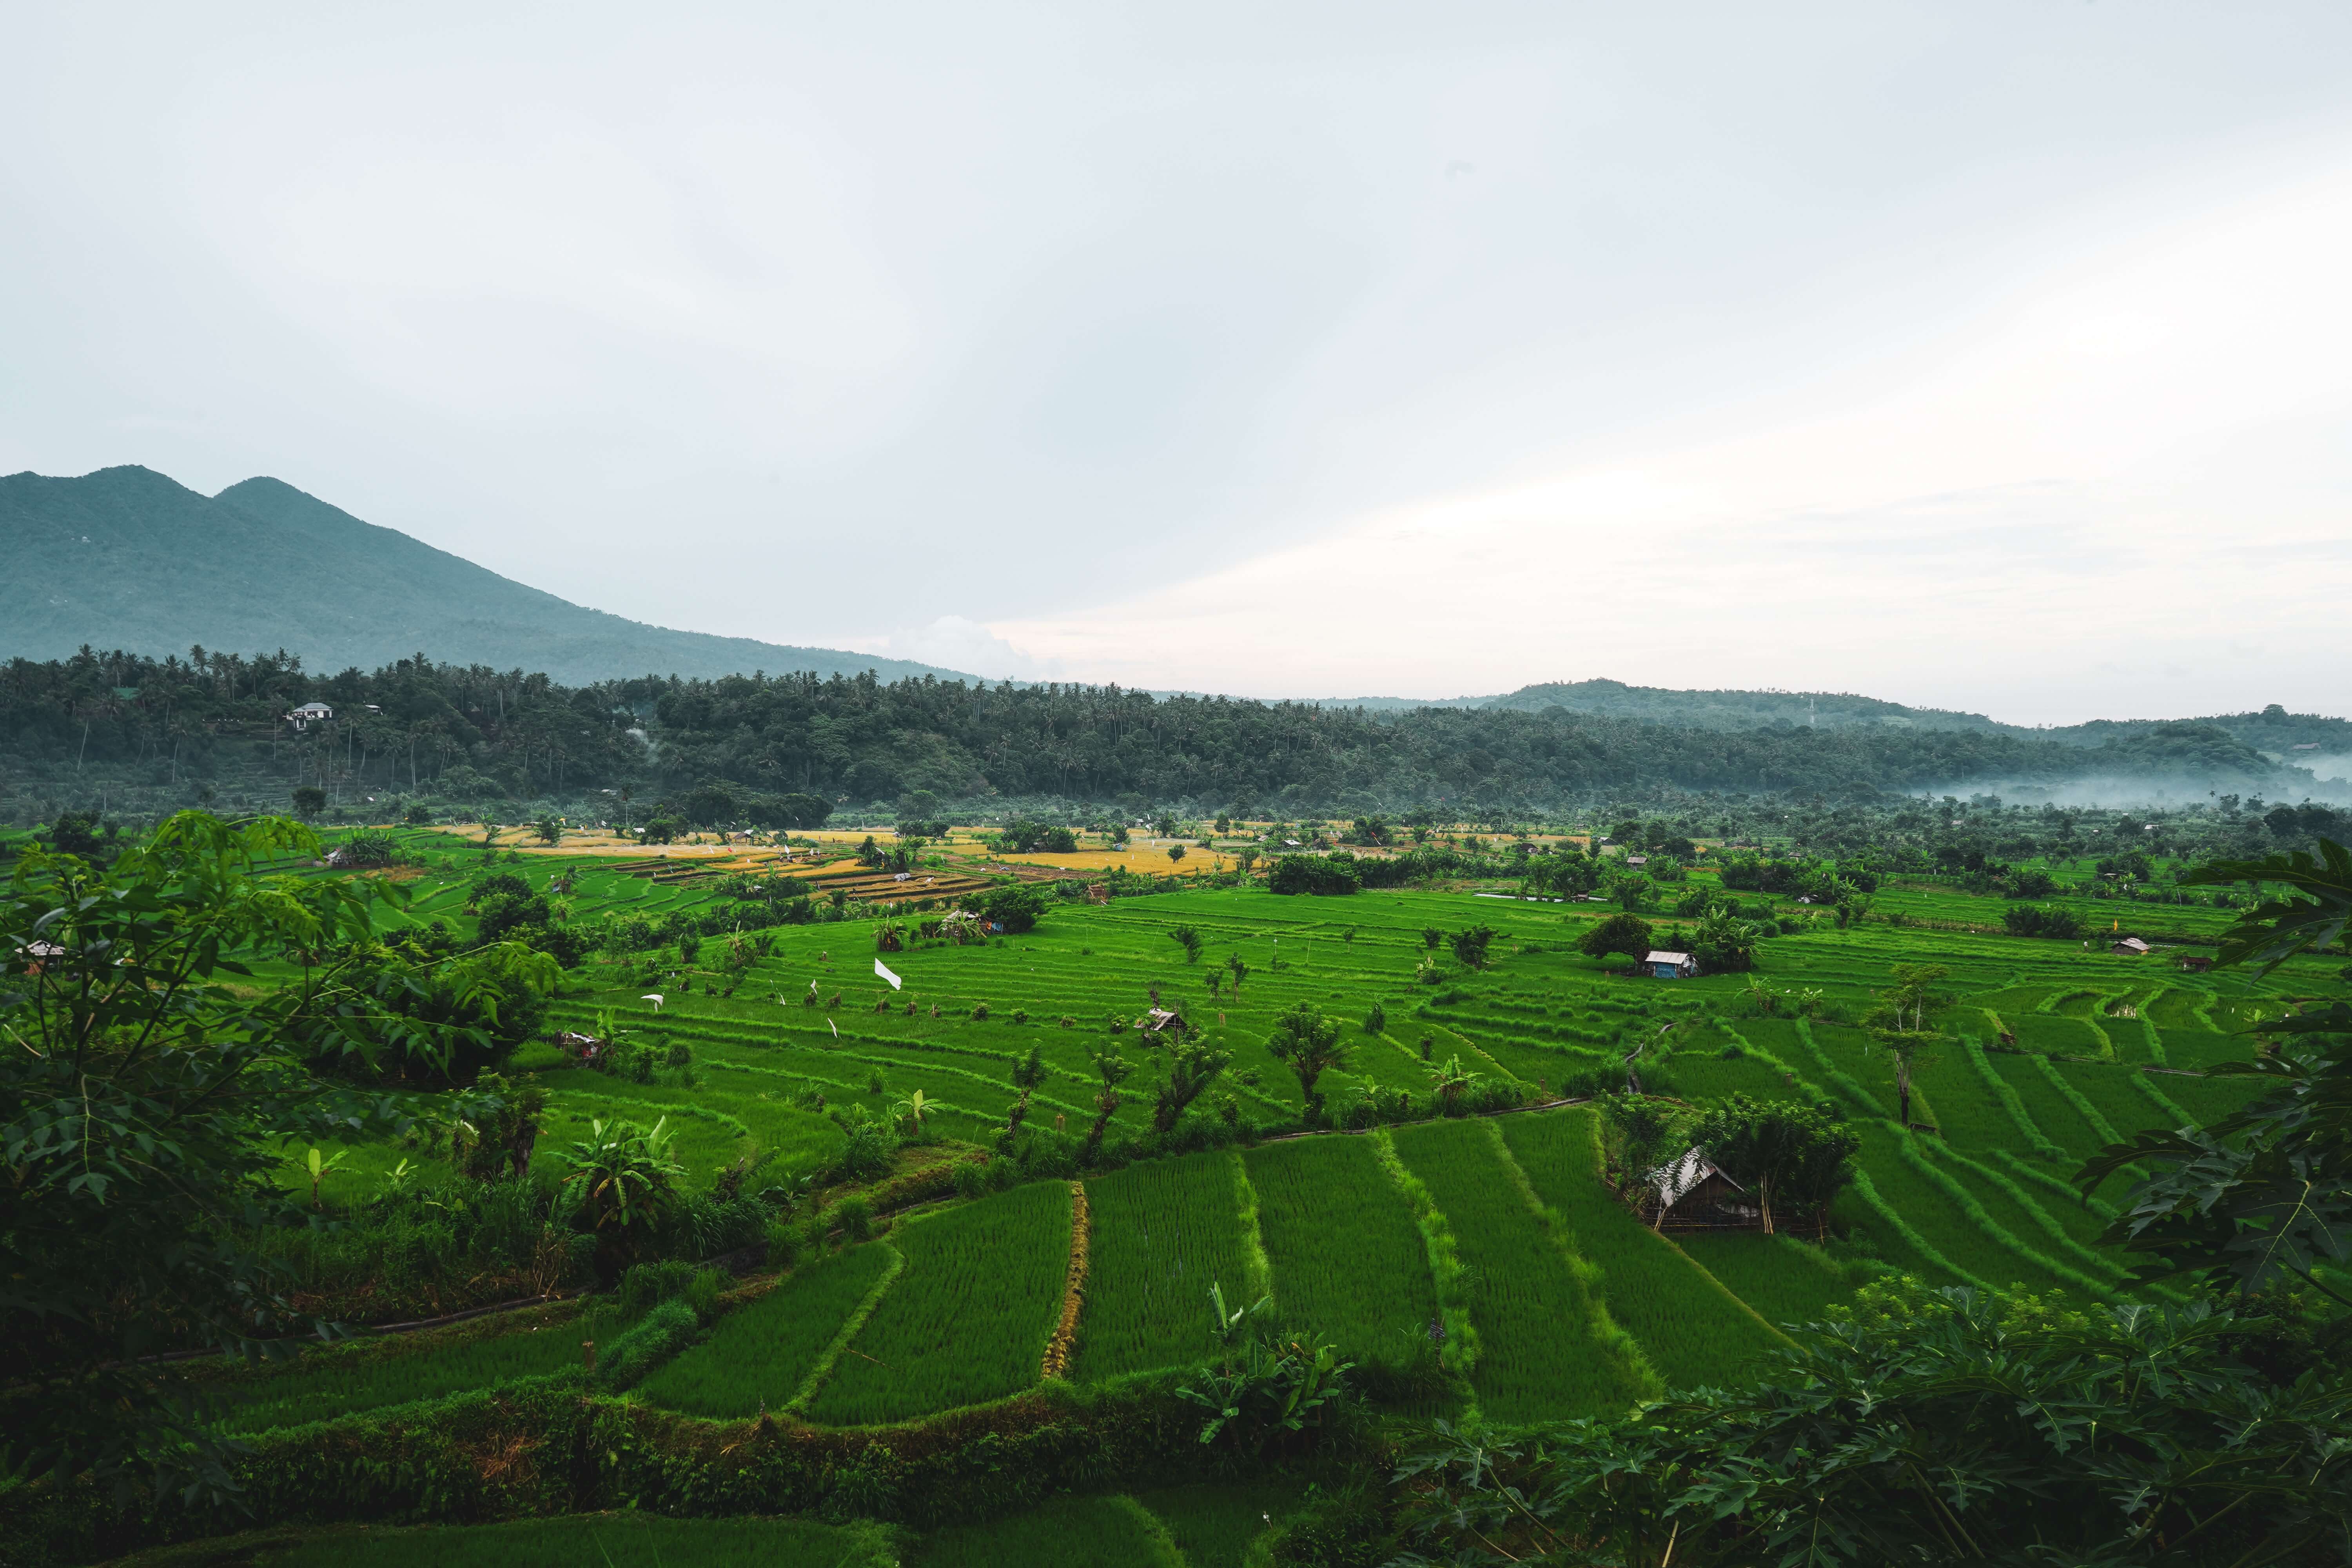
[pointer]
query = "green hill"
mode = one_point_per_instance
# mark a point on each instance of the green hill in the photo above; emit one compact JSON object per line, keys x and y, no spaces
{"x":127,"y":558}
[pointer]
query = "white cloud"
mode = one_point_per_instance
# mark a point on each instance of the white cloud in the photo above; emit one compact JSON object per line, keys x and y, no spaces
{"x":2124,"y":493}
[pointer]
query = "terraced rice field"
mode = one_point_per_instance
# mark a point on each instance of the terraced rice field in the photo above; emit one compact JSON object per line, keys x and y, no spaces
{"x":1691,"y":1328}
{"x":1163,"y":1234}
{"x":1346,"y":1256}
{"x":968,"y":1319}
{"x":1541,"y":1352}
{"x":1577,"y":1307}
{"x":375,"y":1375}
{"x":762,"y":1356}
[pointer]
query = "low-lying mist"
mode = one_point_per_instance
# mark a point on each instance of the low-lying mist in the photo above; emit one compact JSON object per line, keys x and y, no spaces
{"x":2116,"y":791}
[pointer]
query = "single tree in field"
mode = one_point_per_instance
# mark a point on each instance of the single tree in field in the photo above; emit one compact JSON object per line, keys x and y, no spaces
{"x":310,"y":800}
{"x":549,"y":831}
{"x":1431,"y":936}
{"x":1189,"y":940}
{"x":1113,"y":1070}
{"x":1912,"y":992}
{"x":1900,"y":1026}
{"x":1175,"y":852}
{"x":1191,"y":1067}
{"x":1628,"y":934}
{"x":1240,"y":972}
{"x":1470,"y":946}
{"x":1309,"y":1043}
{"x":1908,"y":1052}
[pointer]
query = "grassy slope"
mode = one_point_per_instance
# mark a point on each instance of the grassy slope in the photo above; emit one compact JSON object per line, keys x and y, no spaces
{"x":969,"y":1319}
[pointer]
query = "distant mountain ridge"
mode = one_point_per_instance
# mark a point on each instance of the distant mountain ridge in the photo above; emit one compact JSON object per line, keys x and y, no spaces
{"x":128,"y":558}
{"x":2273,"y":731}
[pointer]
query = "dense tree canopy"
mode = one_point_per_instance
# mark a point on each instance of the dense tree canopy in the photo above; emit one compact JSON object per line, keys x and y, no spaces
{"x":777,"y":747}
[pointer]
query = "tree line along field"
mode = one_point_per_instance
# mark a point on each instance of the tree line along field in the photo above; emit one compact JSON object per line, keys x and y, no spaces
{"x":1466,"y":1262}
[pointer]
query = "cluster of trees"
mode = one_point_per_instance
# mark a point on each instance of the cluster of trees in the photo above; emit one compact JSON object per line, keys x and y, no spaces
{"x":777,"y":748}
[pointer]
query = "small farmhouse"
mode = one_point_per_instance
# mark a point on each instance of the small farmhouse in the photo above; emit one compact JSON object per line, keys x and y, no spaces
{"x":1693,"y":1190}
{"x":310,"y":713}
{"x":2130,"y":947}
{"x":1667,"y":965}
{"x":1164,"y":1025}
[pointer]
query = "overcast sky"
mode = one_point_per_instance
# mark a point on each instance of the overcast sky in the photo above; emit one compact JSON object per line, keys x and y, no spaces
{"x":1988,"y":355}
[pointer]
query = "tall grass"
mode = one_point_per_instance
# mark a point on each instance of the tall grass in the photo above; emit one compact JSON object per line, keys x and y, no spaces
{"x":1346,"y":1257}
{"x":1163,"y":1233}
{"x":1787,"y":1281}
{"x":967,"y":1321}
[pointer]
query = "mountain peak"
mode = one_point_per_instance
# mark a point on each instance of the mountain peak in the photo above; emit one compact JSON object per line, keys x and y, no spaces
{"x":128,"y":558}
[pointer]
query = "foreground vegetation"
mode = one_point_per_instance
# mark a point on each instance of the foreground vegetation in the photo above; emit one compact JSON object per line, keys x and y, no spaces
{"x":936,"y":1251}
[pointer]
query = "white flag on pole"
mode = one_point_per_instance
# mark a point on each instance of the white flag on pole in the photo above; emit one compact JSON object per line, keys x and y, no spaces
{"x":835,"y":1027}
{"x":883,"y":969}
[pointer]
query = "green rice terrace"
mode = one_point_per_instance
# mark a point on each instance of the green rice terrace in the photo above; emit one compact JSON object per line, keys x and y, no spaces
{"x":1023,"y":1189}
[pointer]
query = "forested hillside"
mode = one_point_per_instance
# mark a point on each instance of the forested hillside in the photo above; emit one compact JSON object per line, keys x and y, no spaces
{"x":474,"y":733}
{"x":128,"y":558}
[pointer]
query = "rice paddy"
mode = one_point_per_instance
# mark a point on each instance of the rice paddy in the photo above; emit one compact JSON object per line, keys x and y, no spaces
{"x":1576,"y":1305}
{"x":969,"y":1317}
{"x":1543,"y":1354}
{"x":1162,"y":1235}
{"x":1346,"y":1257}
{"x":760,"y":1356}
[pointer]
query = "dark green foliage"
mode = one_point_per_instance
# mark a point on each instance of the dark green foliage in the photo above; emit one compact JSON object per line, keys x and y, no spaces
{"x":1314,"y":874}
{"x":610,"y":1540}
{"x":137,"y":1100}
{"x":2199,"y":1458}
{"x":1017,"y":907}
{"x":1794,"y":1158}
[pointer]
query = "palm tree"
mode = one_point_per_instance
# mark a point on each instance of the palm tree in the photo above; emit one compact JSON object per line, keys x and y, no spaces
{"x":1113,"y":1070}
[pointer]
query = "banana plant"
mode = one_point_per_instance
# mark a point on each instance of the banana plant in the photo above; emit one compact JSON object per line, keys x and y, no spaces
{"x":913,"y":1108}
{"x":321,"y":1166}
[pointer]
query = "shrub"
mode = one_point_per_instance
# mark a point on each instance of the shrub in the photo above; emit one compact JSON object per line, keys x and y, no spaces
{"x":2041,"y":919}
{"x":853,"y":1216}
